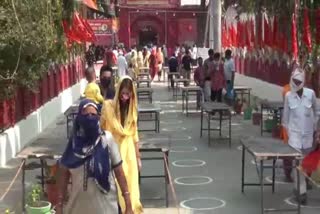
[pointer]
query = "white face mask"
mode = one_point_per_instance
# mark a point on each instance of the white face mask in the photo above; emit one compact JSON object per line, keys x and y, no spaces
{"x":298,"y":75}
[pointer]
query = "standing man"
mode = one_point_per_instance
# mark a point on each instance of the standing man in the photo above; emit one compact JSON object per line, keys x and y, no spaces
{"x":107,"y":83}
{"x":217,"y":78}
{"x":186,"y":66}
{"x":122,"y":65}
{"x":208,"y":63}
{"x":165,"y":54}
{"x":173,"y":67}
{"x":300,"y":120}
{"x":229,"y":74}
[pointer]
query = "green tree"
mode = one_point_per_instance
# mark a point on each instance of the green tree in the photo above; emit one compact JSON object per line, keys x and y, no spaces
{"x":31,"y":39}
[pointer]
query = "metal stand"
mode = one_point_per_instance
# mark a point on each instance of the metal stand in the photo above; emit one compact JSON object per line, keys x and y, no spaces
{"x":164,"y":158}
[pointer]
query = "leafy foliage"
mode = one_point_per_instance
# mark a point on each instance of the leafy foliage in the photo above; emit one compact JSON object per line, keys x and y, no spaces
{"x":31,"y":39}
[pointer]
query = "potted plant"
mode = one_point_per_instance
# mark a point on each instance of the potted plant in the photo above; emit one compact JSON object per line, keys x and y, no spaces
{"x":51,"y":189}
{"x":247,"y":110}
{"x":8,"y":211}
{"x":238,"y":106}
{"x":271,"y":122}
{"x":35,"y":202}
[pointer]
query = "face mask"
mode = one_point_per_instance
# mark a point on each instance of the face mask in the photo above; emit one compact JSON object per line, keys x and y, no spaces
{"x":125,"y":97}
{"x":299,"y":76}
{"x":90,"y":125}
{"x":294,"y":87}
{"x":105,"y":82}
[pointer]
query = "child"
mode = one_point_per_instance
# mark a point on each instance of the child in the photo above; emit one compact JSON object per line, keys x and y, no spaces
{"x":92,"y":91}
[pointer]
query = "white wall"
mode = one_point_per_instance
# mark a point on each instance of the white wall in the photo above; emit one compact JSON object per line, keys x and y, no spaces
{"x":17,"y":137}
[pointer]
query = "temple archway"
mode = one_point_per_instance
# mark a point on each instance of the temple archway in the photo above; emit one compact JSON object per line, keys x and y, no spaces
{"x":147,"y":29}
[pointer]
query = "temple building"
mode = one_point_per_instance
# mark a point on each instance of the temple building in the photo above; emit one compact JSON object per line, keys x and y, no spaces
{"x":158,"y":22}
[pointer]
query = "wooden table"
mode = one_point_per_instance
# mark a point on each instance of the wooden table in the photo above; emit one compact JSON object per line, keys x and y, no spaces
{"x":170,"y":77}
{"x":211,"y":108}
{"x":147,"y":109}
{"x":177,"y":83}
{"x":142,"y":76}
{"x":243,"y":90}
{"x":262,"y":149}
{"x":186,"y":93}
{"x":145,"y":94}
{"x":144,"y":70}
{"x":146,"y":82}
{"x":164,"y":157}
{"x":275,"y":106}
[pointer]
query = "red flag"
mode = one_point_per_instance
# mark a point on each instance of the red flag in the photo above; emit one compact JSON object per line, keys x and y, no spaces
{"x":306,"y":37}
{"x":275,"y":33}
{"x":233,"y":35}
{"x":259,"y":33}
{"x":227,"y":35}
{"x":79,"y":31}
{"x":252,"y":36}
{"x":239,"y":42}
{"x":294,"y":38}
{"x":266,"y":32}
{"x":283,"y":42}
{"x":311,"y":162}
{"x":248,"y":36}
{"x":89,"y":29}
{"x":317,"y":20}
{"x":223,"y":34}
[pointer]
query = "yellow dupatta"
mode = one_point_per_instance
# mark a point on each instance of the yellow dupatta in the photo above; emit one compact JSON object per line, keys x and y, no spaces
{"x":126,"y":136}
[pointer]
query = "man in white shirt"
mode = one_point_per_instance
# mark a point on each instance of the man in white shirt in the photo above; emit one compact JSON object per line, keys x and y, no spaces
{"x":300,"y":120}
{"x":122,"y":65}
{"x":194,"y":54}
{"x":229,"y":73}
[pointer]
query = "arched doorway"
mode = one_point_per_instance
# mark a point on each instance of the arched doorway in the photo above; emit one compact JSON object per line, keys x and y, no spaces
{"x":147,"y":29}
{"x":148,"y":35}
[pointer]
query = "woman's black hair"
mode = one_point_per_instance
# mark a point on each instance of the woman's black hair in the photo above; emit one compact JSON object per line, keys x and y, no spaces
{"x":216,"y":56}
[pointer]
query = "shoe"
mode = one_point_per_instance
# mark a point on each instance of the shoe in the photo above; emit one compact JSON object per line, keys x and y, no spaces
{"x":302,"y":199}
{"x":309,"y":185}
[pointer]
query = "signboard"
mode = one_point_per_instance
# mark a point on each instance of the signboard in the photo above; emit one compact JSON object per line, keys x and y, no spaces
{"x":104,"y":26}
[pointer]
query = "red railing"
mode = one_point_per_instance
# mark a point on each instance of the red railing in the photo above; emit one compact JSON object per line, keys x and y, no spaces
{"x":51,"y":85}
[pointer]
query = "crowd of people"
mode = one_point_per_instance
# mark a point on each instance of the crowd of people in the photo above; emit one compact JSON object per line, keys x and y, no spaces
{"x":212,"y":74}
{"x":103,"y":157}
{"x":131,"y":61}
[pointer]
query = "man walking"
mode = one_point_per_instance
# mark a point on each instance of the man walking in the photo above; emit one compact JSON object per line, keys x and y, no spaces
{"x":186,"y":66}
{"x":300,"y":120}
{"x":122,"y":65}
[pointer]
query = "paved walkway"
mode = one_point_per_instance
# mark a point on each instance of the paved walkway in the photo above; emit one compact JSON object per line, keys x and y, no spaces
{"x":206,"y":179}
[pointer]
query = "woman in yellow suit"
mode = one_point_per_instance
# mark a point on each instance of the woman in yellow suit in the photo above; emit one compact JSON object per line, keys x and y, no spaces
{"x":119,"y":116}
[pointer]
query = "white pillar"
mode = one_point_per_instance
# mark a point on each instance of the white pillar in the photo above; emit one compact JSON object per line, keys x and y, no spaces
{"x":211,"y":24}
{"x":216,"y":25}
